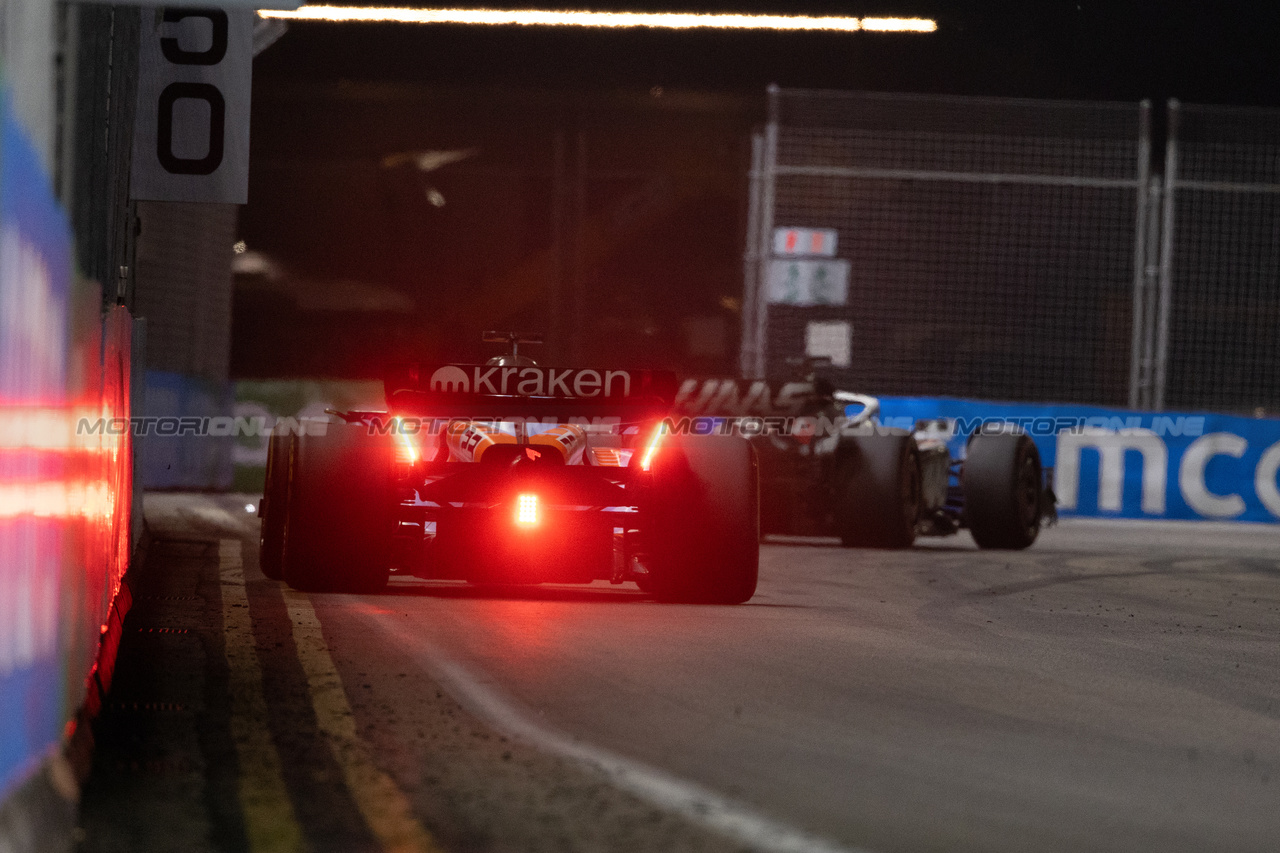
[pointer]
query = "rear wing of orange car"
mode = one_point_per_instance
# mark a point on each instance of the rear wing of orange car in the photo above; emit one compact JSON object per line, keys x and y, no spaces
{"x":497,"y":391}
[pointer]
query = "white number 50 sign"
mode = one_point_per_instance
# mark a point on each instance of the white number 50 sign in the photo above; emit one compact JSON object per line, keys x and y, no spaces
{"x":191,"y":132}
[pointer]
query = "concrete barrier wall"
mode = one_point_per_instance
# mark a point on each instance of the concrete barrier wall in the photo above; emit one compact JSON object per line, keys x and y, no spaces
{"x":173,"y":454}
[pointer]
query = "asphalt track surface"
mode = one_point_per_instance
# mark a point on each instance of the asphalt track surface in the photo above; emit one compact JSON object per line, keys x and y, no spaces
{"x":1117,"y":687}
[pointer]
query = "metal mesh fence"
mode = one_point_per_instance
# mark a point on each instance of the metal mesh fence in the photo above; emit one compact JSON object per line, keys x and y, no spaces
{"x":1223,"y":270}
{"x":990,"y":244}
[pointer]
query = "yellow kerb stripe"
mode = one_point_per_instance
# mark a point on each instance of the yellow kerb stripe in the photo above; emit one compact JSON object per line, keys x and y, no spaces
{"x":269,"y":819}
{"x":384,"y":806}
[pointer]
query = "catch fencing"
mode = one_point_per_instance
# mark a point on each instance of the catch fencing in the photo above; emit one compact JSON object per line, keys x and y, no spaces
{"x":1015,"y":249}
{"x":1221,"y":269}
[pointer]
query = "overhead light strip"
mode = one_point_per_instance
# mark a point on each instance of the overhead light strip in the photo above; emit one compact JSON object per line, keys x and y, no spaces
{"x":651,"y":20}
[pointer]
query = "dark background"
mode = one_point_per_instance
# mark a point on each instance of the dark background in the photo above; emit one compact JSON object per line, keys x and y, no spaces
{"x":604,"y":199}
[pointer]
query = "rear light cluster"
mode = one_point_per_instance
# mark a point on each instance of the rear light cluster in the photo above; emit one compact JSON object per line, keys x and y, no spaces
{"x":406,"y":452}
{"x":646,"y":459}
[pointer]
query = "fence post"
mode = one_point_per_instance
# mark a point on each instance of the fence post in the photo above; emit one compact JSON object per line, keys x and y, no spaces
{"x":1151,"y":294}
{"x":556,"y":334}
{"x":768,"y":172}
{"x":1166,"y":258}
{"x":1136,"y":372}
{"x":751,"y":264}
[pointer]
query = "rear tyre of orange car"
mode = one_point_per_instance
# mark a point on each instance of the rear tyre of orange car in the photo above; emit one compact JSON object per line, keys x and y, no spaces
{"x":878,"y":491}
{"x":337,"y":530}
{"x":702,"y":520}
{"x":275,"y":494}
{"x":1002,"y":483}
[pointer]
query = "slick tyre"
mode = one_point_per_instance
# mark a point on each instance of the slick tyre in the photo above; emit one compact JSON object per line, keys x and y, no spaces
{"x":275,"y":496}
{"x":1002,"y":485}
{"x":702,"y":520}
{"x":337,"y":532}
{"x":877,"y":491}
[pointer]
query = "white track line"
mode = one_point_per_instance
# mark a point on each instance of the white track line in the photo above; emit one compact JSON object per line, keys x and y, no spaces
{"x":700,"y":805}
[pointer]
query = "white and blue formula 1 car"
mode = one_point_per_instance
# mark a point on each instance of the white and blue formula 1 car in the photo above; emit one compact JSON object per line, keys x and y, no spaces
{"x":828,"y":469}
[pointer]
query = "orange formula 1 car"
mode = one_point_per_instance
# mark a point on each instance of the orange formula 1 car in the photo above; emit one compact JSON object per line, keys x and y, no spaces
{"x":510,"y":472}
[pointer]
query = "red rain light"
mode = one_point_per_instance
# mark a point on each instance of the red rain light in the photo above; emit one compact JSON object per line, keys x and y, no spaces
{"x":527,"y":510}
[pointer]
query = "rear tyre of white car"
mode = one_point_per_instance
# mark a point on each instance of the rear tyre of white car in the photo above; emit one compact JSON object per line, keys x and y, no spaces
{"x":337,"y":531}
{"x":702,"y":521}
{"x":878,"y":491}
{"x":1002,"y":485}
{"x":275,"y":495}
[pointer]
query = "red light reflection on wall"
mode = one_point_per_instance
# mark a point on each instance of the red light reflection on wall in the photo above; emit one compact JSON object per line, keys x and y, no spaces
{"x":65,"y":500}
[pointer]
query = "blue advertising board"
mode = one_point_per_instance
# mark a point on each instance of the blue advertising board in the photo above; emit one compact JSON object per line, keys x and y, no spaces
{"x":1124,"y":464}
{"x":35,"y":276}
